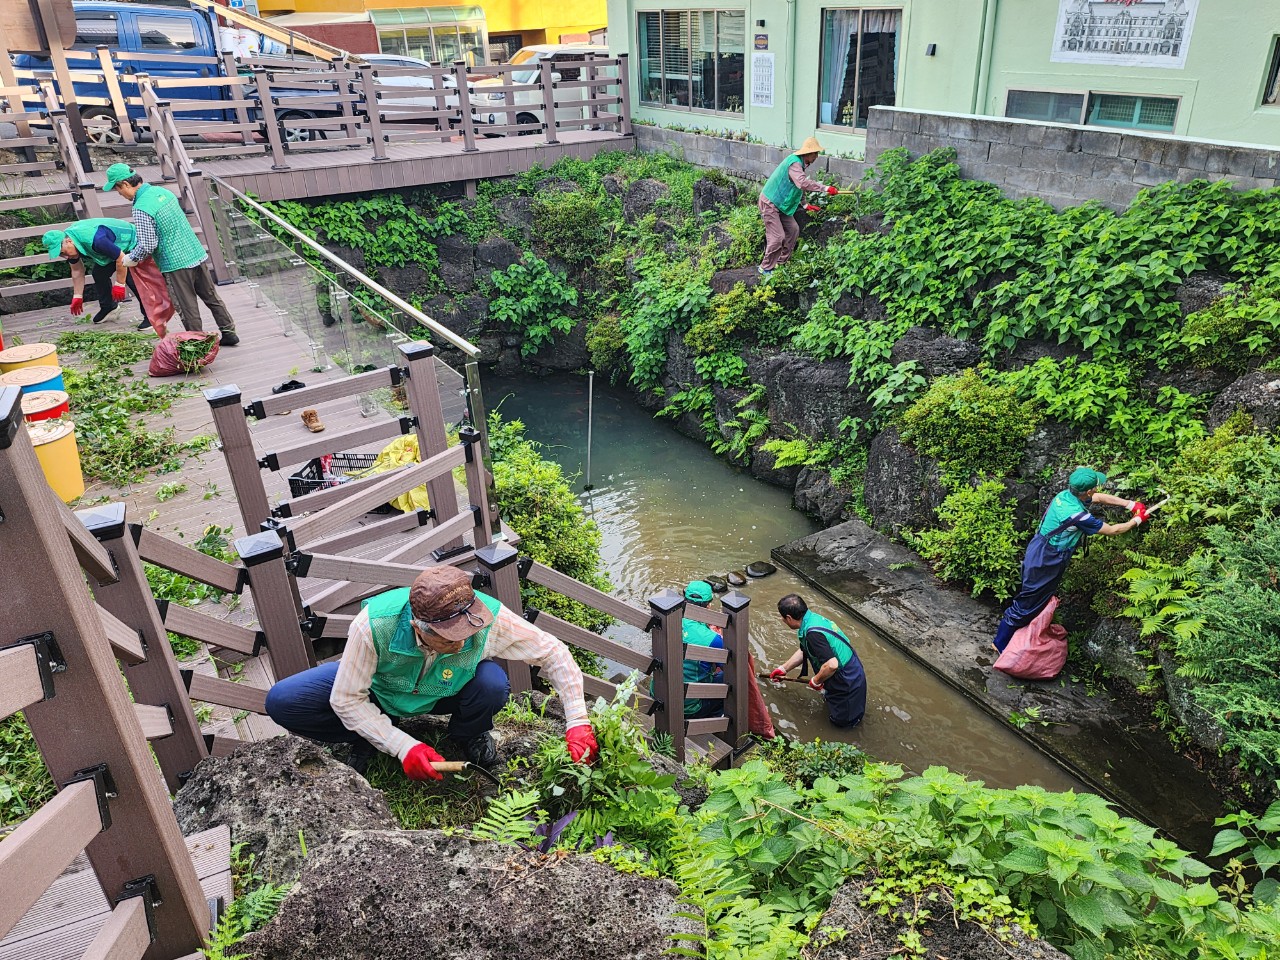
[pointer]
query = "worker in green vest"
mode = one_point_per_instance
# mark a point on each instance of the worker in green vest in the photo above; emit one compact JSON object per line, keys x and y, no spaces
{"x":164,"y":232}
{"x":837,"y":671}
{"x":104,"y":244}
{"x":778,"y":202}
{"x":698,"y":634}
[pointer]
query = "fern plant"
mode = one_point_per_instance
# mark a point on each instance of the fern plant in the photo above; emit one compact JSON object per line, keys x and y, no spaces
{"x":512,"y":819}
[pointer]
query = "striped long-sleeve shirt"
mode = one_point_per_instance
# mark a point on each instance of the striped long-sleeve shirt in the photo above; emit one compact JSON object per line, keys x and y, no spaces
{"x":510,"y":638}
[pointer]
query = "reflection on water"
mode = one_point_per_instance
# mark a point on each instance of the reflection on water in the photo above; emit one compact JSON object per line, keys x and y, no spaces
{"x":671,"y":512}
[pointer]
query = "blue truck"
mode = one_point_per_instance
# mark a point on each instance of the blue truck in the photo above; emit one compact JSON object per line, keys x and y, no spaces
{"x":168,"y":32}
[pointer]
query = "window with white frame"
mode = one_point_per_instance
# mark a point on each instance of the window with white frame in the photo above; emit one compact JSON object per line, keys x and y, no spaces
{"x":693,"y":59}
{"x":858,"y":67}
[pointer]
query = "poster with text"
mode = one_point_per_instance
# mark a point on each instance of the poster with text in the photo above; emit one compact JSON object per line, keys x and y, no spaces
{"x":1124,"y":33}
{"x":761,"y":79}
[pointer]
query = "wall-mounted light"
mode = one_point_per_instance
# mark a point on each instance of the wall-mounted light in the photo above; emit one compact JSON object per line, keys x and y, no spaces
{"x":759,"y":23}
{"x":931,"y":50}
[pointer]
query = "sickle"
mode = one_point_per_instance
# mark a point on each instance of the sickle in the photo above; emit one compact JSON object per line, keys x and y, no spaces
{"x":458,"y":766}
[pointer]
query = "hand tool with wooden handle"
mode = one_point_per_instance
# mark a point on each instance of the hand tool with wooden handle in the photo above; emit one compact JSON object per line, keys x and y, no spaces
{"x":461,"y":766}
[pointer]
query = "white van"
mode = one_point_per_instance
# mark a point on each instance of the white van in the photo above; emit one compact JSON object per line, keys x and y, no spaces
{"x":483,"y":103}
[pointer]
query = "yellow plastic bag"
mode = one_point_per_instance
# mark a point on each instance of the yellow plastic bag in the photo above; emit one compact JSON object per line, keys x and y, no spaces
{"x":400,"y":452}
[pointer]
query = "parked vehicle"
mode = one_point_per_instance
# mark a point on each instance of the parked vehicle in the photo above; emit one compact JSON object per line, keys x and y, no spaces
{"x":533,"y":57}
{"x":163,"y":31}
{"x":424,"y":81}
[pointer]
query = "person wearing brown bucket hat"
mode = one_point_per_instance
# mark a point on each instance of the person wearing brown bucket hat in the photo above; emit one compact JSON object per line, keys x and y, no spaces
{"x":779,"y":199}
{"x":429,"y":648}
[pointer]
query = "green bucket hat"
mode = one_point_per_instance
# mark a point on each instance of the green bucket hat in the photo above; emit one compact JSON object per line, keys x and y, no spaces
{"x":115,"y":173}
{"x":52,"y":242}
{"x":698,"y":591}
{"x":1083,"y":479}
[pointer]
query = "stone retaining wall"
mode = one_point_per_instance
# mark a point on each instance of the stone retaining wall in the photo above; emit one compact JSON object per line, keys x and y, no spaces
{"x":1065,"y":164}
{"x":754,"y":161}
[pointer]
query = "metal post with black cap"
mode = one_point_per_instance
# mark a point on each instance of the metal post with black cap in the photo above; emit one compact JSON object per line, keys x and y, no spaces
{"x":498,"y":562}
{"x":667,"y":631}
{"x":275,"y":601}
{"x":155,"y":680}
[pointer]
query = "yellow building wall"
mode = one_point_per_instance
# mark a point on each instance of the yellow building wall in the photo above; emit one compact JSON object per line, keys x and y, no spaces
{"x":554,"y":17}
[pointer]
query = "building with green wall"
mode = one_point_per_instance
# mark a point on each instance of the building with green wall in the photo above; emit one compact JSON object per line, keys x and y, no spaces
{"x":782,"y":70}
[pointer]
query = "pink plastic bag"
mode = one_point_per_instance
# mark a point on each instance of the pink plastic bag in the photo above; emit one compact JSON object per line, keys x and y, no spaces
{"x":1037,"y":651}
{"x":154,"y":295}
{"x":165,"y":360}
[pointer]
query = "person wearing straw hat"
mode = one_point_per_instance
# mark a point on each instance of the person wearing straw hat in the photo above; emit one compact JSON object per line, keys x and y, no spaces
{"x":429,"y":648}
{"x":780,"y":198}
{"x":165,"y":233}
{"x":103,"y":243}
{"x":1066,"y":523}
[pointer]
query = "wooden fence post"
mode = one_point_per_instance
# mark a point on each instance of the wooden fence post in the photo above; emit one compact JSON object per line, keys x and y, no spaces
{"x":115,"y":94}
{"x":464,"y":106}
{"x":232,"y":424}
{"x":276,"y":603}
{"x":548,"y":100}
{"x":373,"y":109}
{"x":89,"y":729}
{"x":624,"y":106}
{"x":422,"y":390}
{"x":267,"y":110}
{"x":737,"y":671}
{"x":235,"y":93}
{"x":156,"y":680}
{"x":498,"y":560}
{"x":667,"y":608}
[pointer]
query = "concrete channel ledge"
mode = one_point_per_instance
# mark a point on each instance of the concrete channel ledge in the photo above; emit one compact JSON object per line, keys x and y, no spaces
{"x":1112,"y":745}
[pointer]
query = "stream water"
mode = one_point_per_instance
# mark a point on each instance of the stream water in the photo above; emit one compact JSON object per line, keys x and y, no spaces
{"x":670,"y":512}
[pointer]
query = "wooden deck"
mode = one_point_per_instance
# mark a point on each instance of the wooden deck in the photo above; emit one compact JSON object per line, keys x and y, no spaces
{"x":277,"y":343}
{"x":65,"y":920}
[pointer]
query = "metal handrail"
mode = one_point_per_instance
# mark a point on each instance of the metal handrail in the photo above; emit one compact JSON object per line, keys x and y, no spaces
{"x":466,"y":346}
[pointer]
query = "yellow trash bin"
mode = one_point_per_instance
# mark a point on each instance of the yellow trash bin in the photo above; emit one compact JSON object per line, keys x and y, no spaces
{"x":55,"y":443}
{"x":28,"y":355}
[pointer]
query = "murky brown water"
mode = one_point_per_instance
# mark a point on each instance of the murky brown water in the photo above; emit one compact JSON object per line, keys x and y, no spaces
{"x":671,"y":512}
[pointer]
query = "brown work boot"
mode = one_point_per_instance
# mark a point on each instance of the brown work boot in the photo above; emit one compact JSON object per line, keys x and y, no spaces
{"x":312,"y":421}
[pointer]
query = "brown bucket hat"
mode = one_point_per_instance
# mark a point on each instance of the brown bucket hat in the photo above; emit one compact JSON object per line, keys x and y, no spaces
{"x":443,"y":601}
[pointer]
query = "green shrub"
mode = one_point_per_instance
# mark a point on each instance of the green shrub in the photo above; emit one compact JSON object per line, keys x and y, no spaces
{"x":1240,"y":326}
{"x":740,"y":316}
{"x":977,"y":544}
{"x":670,"y":295}
{"x":1231,"y":660}
{"x":606,"y":342}
{"x":569,"y":225}
{"x":534,"y":300}
{"x":747,"y":230}
{"x":970,"y":426}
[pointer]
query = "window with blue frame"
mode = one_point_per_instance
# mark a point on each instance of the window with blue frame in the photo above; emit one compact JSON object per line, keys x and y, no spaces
{"x":1140,"y":113}
{"x":859,"y":65}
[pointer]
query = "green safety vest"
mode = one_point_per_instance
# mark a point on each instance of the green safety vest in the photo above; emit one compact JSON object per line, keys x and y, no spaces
{"x":399,"y":684}
{"x":1065,"y":506}
{"x":780,"y":191}
{"x":840,"y":644}
{"x":695,"y":671}
{"x":81,"y":234}
{"x":179,"y":247}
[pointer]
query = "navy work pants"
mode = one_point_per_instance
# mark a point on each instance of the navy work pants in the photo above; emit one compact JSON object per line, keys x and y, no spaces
{"x":846,"y":693}
{"x":300,"y":704}
{"x":1042,"y":571}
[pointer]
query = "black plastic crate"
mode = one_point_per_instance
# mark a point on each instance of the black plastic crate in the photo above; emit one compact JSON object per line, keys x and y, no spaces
{"x":311,"y":478}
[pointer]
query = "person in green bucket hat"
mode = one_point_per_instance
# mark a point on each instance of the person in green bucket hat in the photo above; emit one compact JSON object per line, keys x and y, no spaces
{"x":1065,"y":524}
{"x":699,"y":594}
{"x":103,"y":244}
{"x":165,"y":234}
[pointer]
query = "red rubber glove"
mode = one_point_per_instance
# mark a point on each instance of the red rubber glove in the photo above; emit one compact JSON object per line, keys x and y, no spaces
{"x":778,"y":675}
{"x":1139,"y":510}
{"x":417,"y":765}
{"x":582,"y":743}
{"x":814,"y":684}
{"x":832,"y":191}
{"x":812,"y":208}
{"x":77,"y":306}
{"x":117,"y":292}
